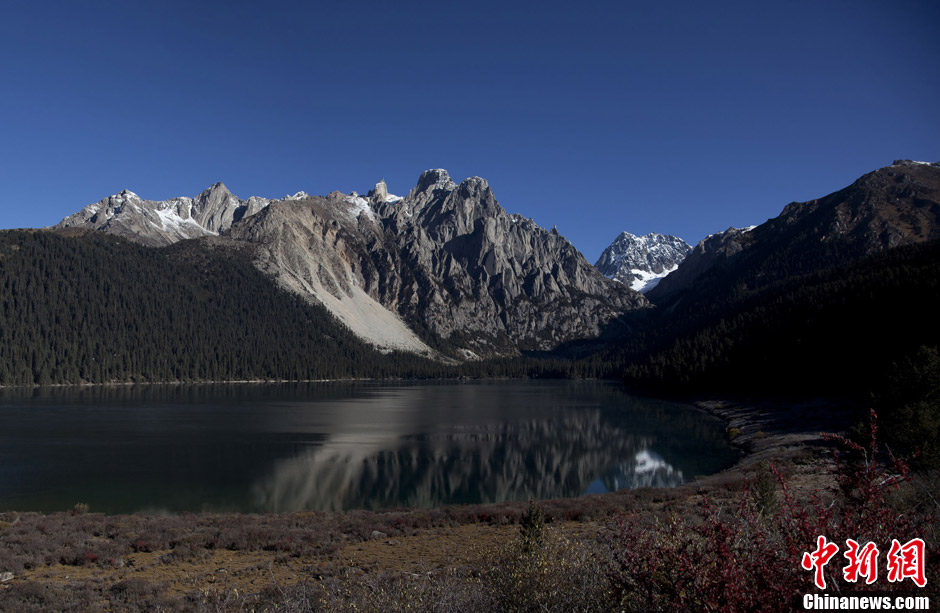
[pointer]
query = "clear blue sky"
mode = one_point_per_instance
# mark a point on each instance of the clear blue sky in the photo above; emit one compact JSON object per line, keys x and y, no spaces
{"x":597,"y":117}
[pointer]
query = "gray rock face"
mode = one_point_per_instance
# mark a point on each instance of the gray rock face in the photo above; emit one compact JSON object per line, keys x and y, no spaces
{"x":448,"y":260}
{"x":158,"y":223}
{"x":642,"y":261}
{"x":444,"y":263}
{"x":481,"y":273}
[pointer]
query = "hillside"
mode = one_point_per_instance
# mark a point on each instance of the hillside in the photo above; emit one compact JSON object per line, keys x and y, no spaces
{"x":89,"y":307}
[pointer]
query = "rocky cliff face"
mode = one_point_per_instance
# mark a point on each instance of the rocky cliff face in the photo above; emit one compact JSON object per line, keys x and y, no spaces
{"x":330,"y":249}
{"x":892,"y":206}
{"x":446,"y":259}
{"x":642,"y":261}
{"x":444,"y":266}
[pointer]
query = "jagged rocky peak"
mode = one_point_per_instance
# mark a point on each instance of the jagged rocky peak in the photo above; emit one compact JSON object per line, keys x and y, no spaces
{"x":436,"y":178}
{"x":217,"y":188}
{"x":163,"y":222}
{"x":447,"y":260}
{"x":126,"y":194}
{"x":471,"y":186}
{"x":642,"y":261}
{"x":495,"y":279}
{"x":379,"y":193}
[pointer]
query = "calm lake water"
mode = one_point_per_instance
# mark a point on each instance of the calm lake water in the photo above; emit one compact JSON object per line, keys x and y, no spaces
{"x":331,"y":446}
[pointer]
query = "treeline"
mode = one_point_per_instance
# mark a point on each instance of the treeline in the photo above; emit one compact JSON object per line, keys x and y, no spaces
{"x":92,"y":308}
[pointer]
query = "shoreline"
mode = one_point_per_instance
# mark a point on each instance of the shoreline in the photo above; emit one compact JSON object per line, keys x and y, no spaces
{"x":195,"y":553}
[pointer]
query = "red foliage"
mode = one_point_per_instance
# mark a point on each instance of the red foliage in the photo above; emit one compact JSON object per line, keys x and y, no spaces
{"x":748,"y":561}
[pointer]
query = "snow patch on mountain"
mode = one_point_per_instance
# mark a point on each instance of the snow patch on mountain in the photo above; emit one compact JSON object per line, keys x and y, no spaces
{"x":359,"y":206}
{"x":646,"y":280}
{"x":173,"y":221}
{"x":915,"y":163}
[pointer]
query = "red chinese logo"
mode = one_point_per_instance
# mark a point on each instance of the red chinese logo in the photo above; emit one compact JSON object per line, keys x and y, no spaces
{"x":904,"y":561}
{"x":819,"y":558}
{"x":907,"y":561}
{"x":862,"y":563}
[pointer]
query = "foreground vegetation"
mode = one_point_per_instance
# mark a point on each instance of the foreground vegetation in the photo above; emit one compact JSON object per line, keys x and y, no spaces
{"x":730,"y":542}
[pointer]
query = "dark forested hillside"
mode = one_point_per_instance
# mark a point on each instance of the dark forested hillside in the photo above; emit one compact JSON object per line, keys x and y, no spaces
{"x":836,"y":331}
{"x":95,"y":308}
{"x":90,"y":307}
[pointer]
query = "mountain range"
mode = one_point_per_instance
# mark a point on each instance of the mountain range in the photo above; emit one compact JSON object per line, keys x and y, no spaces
{"x":832,"y":290}
{"x":444,"y":270}
{"x":834,"y":297}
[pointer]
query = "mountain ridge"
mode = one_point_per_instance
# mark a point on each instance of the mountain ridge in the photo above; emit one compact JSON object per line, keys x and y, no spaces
{"x":158,"y":223}
{"x":445,"y":271}
{"x":444,"y":268}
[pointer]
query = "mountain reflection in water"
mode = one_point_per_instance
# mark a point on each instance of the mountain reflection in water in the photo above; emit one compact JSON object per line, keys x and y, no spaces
{"x":534,"y":458}
{"x":322,"y":446}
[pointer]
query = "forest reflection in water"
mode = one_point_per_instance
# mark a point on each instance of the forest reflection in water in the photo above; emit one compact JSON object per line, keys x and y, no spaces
{"x":343,"y":446}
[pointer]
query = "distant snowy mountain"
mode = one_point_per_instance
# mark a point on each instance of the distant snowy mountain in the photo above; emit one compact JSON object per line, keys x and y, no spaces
{"x":642,"y":261}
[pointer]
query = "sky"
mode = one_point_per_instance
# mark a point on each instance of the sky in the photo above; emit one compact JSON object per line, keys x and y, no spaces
{"x":682,"y":118}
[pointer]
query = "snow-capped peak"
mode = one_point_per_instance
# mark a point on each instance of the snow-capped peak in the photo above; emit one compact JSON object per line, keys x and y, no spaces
{"x":298,"y":196}
{"x":641,"y":261}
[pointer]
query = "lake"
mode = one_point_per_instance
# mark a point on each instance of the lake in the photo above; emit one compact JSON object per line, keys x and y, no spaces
{"x":338,"y":446}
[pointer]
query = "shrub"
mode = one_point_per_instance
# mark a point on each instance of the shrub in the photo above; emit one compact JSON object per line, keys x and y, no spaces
{"x":531,"y":528}
{"x":764,"y":494}
{"x":750,"y":559}
{"x":543,"y":571}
